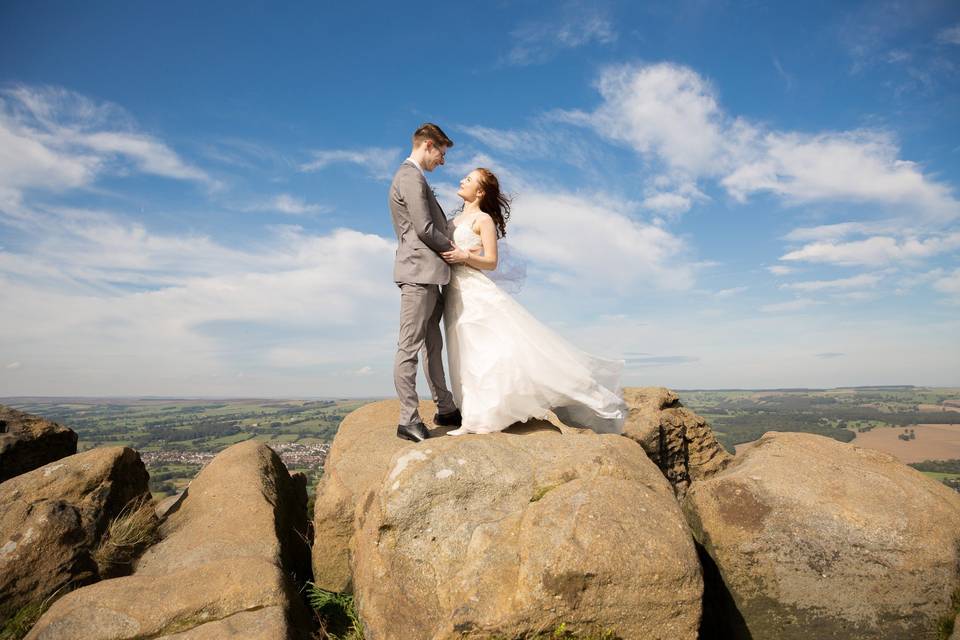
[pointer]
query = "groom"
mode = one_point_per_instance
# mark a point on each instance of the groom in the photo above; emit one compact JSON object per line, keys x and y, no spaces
{"x":419,"y":271}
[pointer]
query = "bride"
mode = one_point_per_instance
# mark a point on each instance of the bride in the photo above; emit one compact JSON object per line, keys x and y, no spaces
{"x":505,"y":366}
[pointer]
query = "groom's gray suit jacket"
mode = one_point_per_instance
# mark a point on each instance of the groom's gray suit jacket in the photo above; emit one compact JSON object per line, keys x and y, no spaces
{"x":421,"y":229}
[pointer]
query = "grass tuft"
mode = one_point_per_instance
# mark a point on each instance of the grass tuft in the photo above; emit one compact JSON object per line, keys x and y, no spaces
{"x":946,"y":623}
{"x":128,"y":534}
{"x":19,"y":624}
{"x":337,"y":614}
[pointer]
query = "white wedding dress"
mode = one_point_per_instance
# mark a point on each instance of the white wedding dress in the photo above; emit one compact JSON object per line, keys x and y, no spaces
{"x":506,"y":367}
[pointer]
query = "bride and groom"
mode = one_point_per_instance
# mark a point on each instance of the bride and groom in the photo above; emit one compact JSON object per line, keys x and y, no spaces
{"x":505,"y":366}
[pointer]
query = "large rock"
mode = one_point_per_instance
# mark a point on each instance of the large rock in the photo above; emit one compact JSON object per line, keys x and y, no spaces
{"x":28,"y":442}
{"x":192,"y":602}
{"x":678,"y":440}
{"x":53,"y":518}
{"x":365,"y":442}
{"x":358,"y":458}
{"x":808,"y":537}
{"x":506,"y":534}
{"x":223,"y":568}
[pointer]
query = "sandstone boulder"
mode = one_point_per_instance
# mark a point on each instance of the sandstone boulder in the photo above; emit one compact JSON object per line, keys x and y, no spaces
{"x":223,"y":568}
{"x":355,"y":464}
{"x":52,"y":519}
{"x":678,"y":440}
{"x":507,"y":534}
{"x":28,"y":442}
{"x":808,"y":537}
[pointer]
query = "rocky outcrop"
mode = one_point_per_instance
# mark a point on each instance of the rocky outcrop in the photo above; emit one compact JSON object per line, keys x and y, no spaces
{"x":807,"y":537}
{"x":222,"y":569}
{"x":677,"y":440}
{"x":53,"y":518}
{"x":355,"y":464}
{"x":511,"y":533}
{"x":28,"y":442}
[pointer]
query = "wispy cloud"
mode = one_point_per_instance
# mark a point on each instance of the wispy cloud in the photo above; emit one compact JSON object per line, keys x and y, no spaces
{"x":288,"y":204}
{"x":380,"y":162}
{"x":949,"y":284}
{"x":539,"y":42}
{"x":51,"y":138}
{"x":792,"y":305}
{"x":787,"y":78}
{"x":726,"y":293}
{"x":950,"y":35}
{"x":780,"y":270}
{"x":876,"y":250}
{"x":191,"y":307}
{"x":854,"y":282}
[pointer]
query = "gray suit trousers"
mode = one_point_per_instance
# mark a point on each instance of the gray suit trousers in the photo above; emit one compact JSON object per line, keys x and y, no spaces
{"x":421,"y":307}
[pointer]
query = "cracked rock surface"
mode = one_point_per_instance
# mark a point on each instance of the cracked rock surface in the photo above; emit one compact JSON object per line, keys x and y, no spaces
{"x":804,"y":536}
{"x":224,"y":567}
{"x":52,"y":519}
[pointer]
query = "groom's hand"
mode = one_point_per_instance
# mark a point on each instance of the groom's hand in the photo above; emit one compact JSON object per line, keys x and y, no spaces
{"x":455,"y":255}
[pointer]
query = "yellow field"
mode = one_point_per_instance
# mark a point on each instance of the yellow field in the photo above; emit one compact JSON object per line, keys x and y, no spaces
{"x":933,"y":442}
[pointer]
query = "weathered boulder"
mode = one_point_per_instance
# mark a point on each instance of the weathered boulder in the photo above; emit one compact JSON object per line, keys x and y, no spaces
{"x":356,"y":463}
{"x":678,"y":440}
{"x":195,"y":601}
{"x":808,"y":537}
{"x":506,"y":534}
{"x":53,"y":518}
{"x":223,"y":567}
{"x":28,"y":442}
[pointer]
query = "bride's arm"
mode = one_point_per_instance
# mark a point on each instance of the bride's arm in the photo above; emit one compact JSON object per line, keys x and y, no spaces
{"x":488,"y":237}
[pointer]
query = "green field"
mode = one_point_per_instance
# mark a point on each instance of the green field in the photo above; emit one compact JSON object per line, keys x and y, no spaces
{"x":177,"y":436}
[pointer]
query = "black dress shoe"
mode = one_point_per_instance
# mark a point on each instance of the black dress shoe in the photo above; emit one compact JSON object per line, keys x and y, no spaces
{"x":415,"y":432}
{"x":452,"y":419}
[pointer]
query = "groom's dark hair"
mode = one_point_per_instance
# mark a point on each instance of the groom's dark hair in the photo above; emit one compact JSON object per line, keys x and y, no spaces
{"x":430,"y":131}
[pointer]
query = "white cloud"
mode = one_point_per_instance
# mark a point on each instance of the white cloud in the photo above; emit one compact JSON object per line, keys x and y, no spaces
{"x":98,"y":297}
{"x":592,"y":242}
{"x":862,"y":280}
{"x":855,"y":166}
{"x":288,"y":204}
{"x":950,"y":35}
{"x":538,"y":42}
{"x":668,"y":203}
{"x":875,"y":251}
{"x":838,"y":231}
{"x":671,"y":115}
{"x":665,"y":110}
{"x":54,"y":139}
{"x":726,"y":293}
{"x":780,"y":270}
{"x":13,"y":365}
{"x":380,"y":162}
{"x":949,"y":284}
{"x":792,"y":305}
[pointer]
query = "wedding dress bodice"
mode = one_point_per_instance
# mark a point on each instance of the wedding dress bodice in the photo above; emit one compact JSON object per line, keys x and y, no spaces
{"x":464,"y":235}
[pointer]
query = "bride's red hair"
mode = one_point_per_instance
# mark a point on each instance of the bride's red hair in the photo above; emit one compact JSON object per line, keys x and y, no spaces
{"x":493,"y":201}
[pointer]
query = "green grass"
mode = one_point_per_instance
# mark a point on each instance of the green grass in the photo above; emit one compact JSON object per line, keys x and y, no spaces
{"x":337,"y":614}
{"x":946,"y":622}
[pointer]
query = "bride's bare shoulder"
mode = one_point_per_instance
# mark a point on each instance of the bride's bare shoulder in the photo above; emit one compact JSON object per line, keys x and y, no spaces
{"x":481,"y":219}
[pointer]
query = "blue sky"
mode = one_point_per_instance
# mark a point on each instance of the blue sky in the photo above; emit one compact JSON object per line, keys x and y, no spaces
{"x":193,"y":195}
